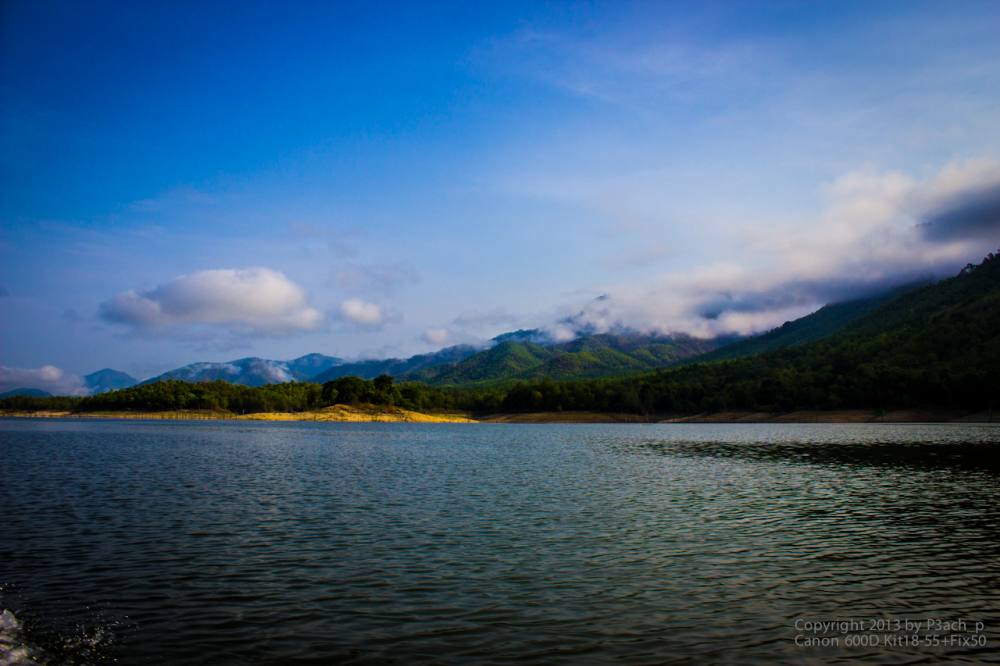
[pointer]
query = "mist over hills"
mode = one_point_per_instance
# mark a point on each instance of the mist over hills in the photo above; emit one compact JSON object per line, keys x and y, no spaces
{"x":529,"y":354}
{"x":108,"y":380}
{"x":25,"y":393}
{"x":523,"y":355}
{"x":935,"y":346}
{"x":821,"y":324}
{"x":252,"y":371}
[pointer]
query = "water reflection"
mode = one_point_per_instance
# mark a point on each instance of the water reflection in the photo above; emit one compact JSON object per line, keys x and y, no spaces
{"x":976,"y":456}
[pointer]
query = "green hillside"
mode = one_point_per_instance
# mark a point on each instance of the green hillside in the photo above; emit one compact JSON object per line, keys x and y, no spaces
{"x":935,"y":347}
{"x":821,"y":324}
{"x":599,"y":355}
{"x":506,"y":360}
{"x":397,"y":367}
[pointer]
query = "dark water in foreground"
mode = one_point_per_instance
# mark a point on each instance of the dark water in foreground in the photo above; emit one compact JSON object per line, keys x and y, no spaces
{"x":226,"y":543}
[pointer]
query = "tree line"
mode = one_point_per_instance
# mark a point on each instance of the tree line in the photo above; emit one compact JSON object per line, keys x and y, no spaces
{"x":226,"y":397}
{"x":821,"y":377}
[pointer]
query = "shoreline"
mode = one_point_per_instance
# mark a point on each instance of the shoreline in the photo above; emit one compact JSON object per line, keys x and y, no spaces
{"x":375,"y":414}
{"x":335,"y":414}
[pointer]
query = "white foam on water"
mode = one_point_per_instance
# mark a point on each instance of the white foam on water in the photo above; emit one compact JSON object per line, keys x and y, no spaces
{"x":87,"y":641}
{"x":13,"y":651}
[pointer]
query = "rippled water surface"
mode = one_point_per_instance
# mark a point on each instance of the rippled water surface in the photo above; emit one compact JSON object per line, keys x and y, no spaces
{"x":231,"y":543}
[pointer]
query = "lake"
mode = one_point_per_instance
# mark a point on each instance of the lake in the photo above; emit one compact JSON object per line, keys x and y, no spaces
{"x":283,"y":543}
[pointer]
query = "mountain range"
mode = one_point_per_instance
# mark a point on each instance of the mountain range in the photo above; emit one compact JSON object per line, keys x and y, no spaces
{"x":932,"y":345}
{"x":595,"y":355}
{"x":108,"y":380}
{"x":25,"y":393}
{"x":94,"y":383}
{"x":253,"y":371}
{"x":522,"y":355}
{"x":518,"y":355}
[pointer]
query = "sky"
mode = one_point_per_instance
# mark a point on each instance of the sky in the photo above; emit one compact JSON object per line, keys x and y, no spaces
{"x":189,"y":181}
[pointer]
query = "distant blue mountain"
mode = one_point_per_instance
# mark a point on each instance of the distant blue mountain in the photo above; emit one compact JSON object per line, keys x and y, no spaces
{"x":252,"y":371}
{"x":25,"y":392}
{"x":310,"y":365}
{"x":108,"y":380}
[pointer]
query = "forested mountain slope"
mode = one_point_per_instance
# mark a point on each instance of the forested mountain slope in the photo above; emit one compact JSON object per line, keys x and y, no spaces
{"x":821,"y":324}
{"x":397,"y":367}
{"x":935,"y":347}
{"x":598,"y":355}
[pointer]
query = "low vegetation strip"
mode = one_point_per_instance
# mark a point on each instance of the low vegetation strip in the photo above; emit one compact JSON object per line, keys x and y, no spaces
{"x":376,"y":414}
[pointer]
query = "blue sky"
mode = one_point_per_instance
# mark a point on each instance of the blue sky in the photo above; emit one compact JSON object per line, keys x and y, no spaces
{"x":204,"y":181}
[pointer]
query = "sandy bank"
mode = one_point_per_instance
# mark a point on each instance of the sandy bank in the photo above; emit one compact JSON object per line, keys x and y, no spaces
{"x":376,"y":414}
{"x":359,"y":414}
{"x":337,"y":413}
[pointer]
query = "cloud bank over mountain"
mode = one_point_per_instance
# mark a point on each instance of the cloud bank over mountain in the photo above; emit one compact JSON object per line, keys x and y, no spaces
{"x":879,"y":230}
{"x":972,"y":215}
{"x":436,"y":336}
{"x":47,"y":378}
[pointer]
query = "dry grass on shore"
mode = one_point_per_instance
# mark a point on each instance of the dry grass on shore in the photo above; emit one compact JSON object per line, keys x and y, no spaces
{"x":337,"y":413}
{"x":359,"y":414}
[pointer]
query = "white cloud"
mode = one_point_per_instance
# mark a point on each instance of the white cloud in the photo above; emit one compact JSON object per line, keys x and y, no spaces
{"x":877,"y":232}
{"x":436,"y":336}
{"x":47,"y":378}
{"x":561,"y":333}
{"x":361,"y":312}
{"x":251,"y":300}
